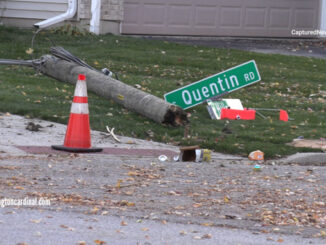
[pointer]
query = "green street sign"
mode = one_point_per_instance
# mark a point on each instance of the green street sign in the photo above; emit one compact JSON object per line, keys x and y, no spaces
{"x":220,"y":83}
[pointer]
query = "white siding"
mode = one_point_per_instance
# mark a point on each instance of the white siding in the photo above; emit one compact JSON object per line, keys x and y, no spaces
{"x":32,"y":9}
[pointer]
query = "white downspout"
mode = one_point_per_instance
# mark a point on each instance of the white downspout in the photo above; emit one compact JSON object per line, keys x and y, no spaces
{"x":71,"y":11}
{"x":96,"y":17}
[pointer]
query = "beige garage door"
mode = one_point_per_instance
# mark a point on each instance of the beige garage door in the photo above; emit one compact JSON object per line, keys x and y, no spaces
{"x":270,"y":18}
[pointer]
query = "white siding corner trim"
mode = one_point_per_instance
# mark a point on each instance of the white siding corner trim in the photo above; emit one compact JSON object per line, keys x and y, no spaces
{"x":323,"y":17}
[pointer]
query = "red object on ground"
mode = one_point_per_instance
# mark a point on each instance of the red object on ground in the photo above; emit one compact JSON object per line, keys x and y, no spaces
{"x":284,"y":116}
{"x":78,"y":134}
{"x":238,"y":114}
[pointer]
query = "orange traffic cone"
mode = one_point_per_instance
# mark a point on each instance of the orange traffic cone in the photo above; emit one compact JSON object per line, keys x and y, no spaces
{"x":78,"y":135}
{"x":284,"y":116}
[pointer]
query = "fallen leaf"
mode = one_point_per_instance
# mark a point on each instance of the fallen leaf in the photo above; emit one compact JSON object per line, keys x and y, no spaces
{"x":132,"y":173}
{"x":226,"y":199}
{"x":207,"y":236}
{"x":228,"y":216}
{"x":145,"y":229}
{"x":207,"y":224}
{"x":323,"y":233}
{"x":128,"y":193}
{"x":99,"y":242}
{"x":67,"y":227}
{"x":19,"y":188}
{"x":197,"y":205}
{"x":29,"y":51}
{"x":173,"y":193}
{"x":94,"y":210}
{"x":123,"y":223}
{"x":104,"y":213}
{"x":118,"y":185}
{"x":126,"y":203}
{"x":36,"y":221}
{"x":179,"y":208}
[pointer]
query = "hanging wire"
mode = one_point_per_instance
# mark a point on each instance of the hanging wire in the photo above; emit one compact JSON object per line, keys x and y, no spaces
{"x":63,"y":54}
{"x":20,"y":62}
{"x":58,"y":52}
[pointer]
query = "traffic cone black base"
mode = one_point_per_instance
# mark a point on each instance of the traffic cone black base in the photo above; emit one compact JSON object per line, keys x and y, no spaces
{"x":75,"y":150}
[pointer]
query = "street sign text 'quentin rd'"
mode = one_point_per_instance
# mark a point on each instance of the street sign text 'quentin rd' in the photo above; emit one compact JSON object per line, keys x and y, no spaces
{"x":223,"y":82}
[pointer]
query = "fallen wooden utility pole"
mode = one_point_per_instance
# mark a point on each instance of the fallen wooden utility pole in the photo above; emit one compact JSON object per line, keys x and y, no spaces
{"x":131,"y":98}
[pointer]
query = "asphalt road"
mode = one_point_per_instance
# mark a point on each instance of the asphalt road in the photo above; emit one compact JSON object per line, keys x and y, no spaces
{"x":28,"y":226}
{"x":101,"y":197}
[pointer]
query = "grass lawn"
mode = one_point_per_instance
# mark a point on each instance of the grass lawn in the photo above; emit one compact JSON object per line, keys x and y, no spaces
{"x":296,"y":84}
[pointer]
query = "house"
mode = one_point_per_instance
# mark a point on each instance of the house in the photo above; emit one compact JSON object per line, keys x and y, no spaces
{"x":241,"y":18}
{"x":25,"y":13}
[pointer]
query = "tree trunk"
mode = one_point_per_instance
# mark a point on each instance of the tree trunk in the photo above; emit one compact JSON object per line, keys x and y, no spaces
{"x":131,"y":98}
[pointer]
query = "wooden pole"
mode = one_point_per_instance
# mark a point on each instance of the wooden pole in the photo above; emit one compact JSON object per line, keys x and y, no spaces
{"x":107,"y":87}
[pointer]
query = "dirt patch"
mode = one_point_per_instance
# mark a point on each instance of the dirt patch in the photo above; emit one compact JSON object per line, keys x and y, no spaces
{"x":33,"y":127}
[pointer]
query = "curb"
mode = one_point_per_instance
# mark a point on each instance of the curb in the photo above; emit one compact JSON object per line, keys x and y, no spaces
{"x":309,"y":158}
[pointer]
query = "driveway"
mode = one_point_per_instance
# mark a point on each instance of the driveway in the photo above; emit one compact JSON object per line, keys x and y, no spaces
{"x":315,"y":48}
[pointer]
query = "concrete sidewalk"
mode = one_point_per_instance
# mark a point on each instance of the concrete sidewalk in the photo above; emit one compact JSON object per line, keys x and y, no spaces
{"x":16,"y":140}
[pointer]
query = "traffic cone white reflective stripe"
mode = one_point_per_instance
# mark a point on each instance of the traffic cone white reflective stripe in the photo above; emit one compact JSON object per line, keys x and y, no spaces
{"x":81,"y":88}
{"x":78,"y":138}
{"x":80,"y":101}
{"x":79,"y":108}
